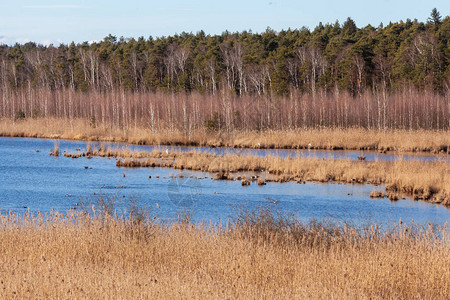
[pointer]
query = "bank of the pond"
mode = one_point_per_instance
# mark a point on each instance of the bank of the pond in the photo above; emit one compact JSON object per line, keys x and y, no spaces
{"x":428,"y":181}
{"x":395,"y":141}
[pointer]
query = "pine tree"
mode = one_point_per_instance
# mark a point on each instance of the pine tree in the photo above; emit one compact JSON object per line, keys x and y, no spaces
{"x":435,"y":18}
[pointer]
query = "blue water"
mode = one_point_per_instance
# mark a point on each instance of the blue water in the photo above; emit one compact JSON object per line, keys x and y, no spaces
{"x":40,"y":182}
{"x":326,"y":154}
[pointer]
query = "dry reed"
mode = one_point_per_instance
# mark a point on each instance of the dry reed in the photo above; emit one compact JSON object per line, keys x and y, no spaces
{"x":377,"y":194}
{"x":430,"y":141}
{"x":55,"y":150}
{"x":259,"y":255}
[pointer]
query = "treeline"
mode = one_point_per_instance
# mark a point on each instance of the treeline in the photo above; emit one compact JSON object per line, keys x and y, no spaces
{"x":331,"y":58}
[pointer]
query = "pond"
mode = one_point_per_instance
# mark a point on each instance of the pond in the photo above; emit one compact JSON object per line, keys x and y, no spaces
{"x":32,"y":179}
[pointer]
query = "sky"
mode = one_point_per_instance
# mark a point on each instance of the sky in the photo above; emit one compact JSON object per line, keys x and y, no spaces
{"x":63,"y":21}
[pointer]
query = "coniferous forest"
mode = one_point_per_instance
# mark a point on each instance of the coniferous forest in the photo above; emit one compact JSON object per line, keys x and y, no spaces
{"x":400,"y":72}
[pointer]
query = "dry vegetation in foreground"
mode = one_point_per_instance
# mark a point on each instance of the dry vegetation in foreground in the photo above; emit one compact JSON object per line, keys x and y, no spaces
{"x":431,"y":141}
{"x":429,"y":181}
{"x":258,"y":255}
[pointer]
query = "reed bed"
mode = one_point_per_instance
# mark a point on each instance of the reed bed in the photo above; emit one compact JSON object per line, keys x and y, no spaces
{"x":429,"y":181}
{"x":257,"y":255}
{"x":430,"y":141}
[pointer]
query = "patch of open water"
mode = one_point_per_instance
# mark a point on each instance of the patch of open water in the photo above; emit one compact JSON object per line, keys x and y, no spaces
{"x":40,"y":182}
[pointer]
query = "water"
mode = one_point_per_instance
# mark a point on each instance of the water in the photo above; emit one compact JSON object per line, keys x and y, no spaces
{"x":283,"y":153}
{"x":37,"y":181}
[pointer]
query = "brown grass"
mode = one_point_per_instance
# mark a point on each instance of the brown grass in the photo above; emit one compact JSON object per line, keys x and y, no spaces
{"x":431,"y":141}
{"x":260,"y":255}
{"x":377,"y":194}
{"x":55,"y":150}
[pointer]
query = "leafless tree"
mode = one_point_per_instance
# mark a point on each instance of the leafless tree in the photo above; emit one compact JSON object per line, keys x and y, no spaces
{"x":232,"y":56}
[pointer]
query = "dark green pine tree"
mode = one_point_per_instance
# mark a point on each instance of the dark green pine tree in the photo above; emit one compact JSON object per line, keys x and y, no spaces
{"x":435,"y":18}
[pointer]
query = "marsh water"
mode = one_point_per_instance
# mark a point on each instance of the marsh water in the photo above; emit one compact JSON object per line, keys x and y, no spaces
{"x":31,"y":179}
{"x":283,"y":153}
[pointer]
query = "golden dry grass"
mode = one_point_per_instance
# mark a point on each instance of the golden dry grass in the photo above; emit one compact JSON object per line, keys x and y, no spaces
{"x":261,"y":255}
{"x":327,"y":138}
{"x":55,"y":150}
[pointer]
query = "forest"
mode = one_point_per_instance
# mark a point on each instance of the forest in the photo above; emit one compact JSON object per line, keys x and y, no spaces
{"x":336,"y":75}
{"x":330,"y":57}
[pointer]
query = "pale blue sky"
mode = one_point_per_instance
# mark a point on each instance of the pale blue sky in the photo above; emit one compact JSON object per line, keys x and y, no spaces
{"x":55,"y":21}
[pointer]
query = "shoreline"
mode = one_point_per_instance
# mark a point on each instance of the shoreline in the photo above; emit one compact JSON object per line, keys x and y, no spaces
{"x":433,"y":143}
